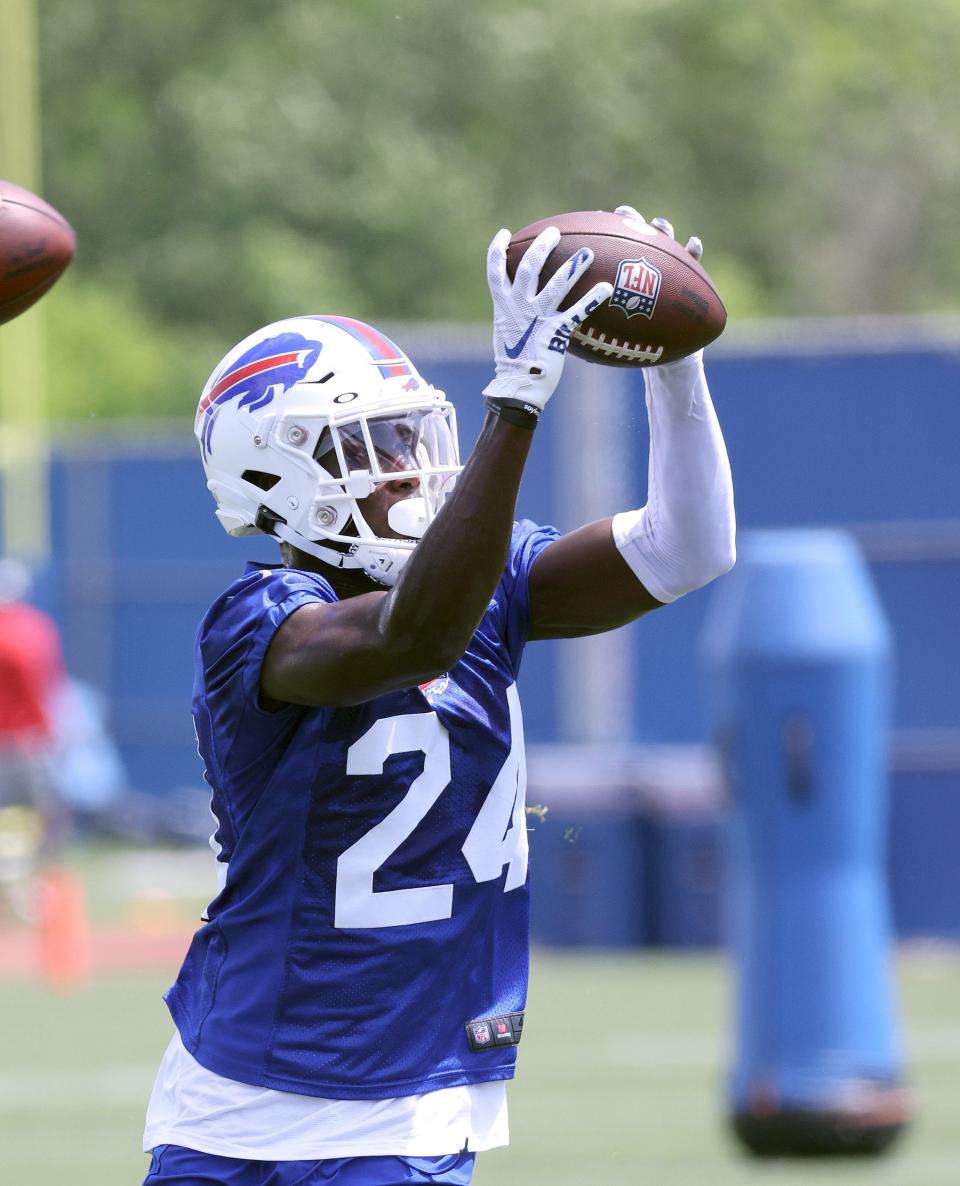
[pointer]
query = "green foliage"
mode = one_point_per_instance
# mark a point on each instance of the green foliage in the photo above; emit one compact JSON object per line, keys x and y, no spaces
{"x":107,"y":357}
{"x":229,"y":163}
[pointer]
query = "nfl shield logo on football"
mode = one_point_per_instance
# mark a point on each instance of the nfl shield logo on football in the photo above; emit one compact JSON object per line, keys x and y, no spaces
{"x":637,"y":287}
{"x":481,"y":1033}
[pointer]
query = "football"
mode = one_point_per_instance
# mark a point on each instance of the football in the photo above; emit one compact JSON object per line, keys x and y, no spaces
{"x":664,"y":305}
{"x":36,"y":244}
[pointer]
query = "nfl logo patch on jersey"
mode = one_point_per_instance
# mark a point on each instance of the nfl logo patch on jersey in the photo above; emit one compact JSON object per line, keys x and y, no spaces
{"x":481,"y":1033}
{"x":637,"y":287}
{"x":484,"y":1032}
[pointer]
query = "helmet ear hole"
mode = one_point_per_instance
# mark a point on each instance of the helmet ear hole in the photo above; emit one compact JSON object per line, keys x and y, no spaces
{"x":257,"y":477}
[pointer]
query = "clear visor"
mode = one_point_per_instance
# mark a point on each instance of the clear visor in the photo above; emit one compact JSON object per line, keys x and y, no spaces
{"x":418,"y":447}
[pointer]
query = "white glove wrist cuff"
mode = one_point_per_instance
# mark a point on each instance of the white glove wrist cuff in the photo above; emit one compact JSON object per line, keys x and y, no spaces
{"x":533,"y":391}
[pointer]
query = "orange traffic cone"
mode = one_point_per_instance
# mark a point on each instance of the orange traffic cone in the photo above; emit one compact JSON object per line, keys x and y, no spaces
{"x":64,"y":929}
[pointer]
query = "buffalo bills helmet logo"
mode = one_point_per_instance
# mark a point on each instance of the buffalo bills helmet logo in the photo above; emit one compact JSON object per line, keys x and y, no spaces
{"x":637,"y":287}
{"x":265,"y":371}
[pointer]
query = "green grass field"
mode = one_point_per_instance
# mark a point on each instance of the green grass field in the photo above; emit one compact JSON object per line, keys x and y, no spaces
{"x":621,"y":1079}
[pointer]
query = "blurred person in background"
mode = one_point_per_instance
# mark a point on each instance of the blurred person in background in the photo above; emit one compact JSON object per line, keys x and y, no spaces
{"x":34,"y":819}
{"x":349,"y":1012}
{"x":89,"y":770}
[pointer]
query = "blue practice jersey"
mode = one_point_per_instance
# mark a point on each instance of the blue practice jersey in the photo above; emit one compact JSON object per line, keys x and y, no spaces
{"x":375,"y":897}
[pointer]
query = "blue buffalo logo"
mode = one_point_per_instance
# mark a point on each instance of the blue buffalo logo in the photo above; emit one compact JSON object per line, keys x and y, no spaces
{"x":256,"y":378}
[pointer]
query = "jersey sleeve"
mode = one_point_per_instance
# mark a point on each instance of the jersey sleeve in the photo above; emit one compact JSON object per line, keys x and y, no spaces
{"x":513,"y":593}
{"x":240,"y":627}
{"x":235,"y":733}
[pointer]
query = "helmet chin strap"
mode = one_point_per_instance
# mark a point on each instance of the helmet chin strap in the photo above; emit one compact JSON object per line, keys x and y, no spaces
{"x":382,"y":564}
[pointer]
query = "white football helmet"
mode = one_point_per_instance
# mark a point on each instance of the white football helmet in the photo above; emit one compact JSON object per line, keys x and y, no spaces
{"x":304,"y":419}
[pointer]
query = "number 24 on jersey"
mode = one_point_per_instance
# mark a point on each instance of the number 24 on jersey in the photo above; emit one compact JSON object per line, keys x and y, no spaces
{"x":497,"y":839}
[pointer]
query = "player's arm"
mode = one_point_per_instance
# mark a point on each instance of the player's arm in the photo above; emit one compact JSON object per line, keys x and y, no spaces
{"x":610,"y":572}
{"x":581,"y":584}
{"x":350,"y":651}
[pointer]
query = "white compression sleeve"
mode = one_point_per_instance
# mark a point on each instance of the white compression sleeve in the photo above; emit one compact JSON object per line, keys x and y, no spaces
{"x":685,"y":535}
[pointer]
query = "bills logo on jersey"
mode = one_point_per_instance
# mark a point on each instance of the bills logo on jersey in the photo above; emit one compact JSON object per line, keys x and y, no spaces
{"x":434,"y":688}
{"x":637,"y":287}
{"x":255,"y":378}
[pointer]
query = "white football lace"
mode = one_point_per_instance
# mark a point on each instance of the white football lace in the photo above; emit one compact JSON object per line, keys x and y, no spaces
{"x":598,"y":342}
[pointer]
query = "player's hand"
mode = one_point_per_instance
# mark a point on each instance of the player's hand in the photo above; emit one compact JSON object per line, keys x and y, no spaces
{"x":530,"y":333}
{"x":693,"y":244}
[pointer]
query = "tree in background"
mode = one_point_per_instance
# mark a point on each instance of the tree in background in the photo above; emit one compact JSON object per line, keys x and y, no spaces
{"x":229,"y":163}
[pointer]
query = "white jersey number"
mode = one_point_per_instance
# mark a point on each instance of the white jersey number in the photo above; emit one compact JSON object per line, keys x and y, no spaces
{"x":498,"y":836}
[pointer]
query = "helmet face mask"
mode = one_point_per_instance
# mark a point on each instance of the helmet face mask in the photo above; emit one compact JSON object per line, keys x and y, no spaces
{"x":415,"y":450}
{"x":304,"y":423}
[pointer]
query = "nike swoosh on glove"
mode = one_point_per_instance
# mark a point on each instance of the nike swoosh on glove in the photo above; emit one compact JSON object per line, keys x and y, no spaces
{"x":530,"y":333}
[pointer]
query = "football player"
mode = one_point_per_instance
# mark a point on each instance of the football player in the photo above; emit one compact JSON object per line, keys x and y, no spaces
{"x":349,"y":1012}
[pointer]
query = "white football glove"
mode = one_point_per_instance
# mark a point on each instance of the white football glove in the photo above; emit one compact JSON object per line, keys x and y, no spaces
{"x":693,"y":244}
{"x":530,"y":333}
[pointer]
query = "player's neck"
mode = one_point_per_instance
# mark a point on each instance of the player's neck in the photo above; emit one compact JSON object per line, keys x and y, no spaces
{"x":346,"y":582}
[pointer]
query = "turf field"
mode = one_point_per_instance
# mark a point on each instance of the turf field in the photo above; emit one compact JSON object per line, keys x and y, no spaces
{"x":621,"y":1070}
